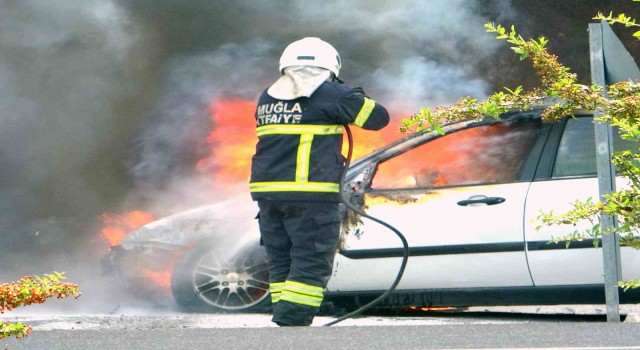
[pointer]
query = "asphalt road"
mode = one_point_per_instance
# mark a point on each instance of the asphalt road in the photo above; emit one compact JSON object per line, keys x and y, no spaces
{"x":482,"y":336}
{"x":468,"y":330}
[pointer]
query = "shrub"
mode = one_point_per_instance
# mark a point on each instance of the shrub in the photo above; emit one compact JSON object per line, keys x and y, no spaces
{"x":31,"y":290}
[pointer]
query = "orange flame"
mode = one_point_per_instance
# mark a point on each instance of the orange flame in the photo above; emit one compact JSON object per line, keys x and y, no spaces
{"x":160,"y":278}
{"x":433,"y":308}
{"x":433,"y":166}
{"x":233,"y":139}
{"x":118,"y":226}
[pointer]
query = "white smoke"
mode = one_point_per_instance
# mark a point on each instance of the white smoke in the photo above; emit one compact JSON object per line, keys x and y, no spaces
{"x":421,"y":80}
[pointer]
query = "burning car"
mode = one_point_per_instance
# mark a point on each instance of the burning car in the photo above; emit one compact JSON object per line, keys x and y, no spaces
{"x":467,"y":203}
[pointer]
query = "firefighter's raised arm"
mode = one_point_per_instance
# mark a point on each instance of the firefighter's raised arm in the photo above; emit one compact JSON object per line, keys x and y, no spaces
{"x":361,"y":110}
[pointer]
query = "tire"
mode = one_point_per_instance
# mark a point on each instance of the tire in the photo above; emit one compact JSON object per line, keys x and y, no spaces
{"x":207,"y":280}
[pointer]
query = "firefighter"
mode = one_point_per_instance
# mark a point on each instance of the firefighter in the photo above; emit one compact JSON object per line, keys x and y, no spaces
{"x":296,"y":172}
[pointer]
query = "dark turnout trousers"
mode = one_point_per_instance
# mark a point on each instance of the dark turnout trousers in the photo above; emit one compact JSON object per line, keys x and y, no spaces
{"x":300,"y":239}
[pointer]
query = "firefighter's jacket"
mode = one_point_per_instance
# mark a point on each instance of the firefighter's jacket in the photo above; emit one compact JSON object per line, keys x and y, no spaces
{"x":298,"y":156}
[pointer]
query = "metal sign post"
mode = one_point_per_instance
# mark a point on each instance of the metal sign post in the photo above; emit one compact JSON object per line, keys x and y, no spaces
{"x":606,"y":180}
{"x":610,"y":63}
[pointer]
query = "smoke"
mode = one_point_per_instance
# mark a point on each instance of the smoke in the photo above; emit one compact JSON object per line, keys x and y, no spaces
{"x":64,"y":82}
{"x":104,"y":103}
{"x":406,"y":54}
{"x":180,"y":120}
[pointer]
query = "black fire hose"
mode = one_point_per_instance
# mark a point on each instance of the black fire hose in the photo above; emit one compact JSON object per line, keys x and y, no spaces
{"x":359,"y":211}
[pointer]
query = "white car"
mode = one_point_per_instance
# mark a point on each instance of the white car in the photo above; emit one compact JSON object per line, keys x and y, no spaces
{"x":467,"y":203}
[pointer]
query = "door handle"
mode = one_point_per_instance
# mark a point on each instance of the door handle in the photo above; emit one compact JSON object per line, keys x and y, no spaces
{"x":475,"y":200}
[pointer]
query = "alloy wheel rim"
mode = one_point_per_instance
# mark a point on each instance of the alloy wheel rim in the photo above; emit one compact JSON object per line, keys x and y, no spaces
{"x":231,"y":284}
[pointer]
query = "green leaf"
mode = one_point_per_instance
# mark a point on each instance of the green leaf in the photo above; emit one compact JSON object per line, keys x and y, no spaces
{"x":515,"y":92}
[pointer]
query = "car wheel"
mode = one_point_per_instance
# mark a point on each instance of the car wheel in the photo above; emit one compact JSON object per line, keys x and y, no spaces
{"x":207,"y":280}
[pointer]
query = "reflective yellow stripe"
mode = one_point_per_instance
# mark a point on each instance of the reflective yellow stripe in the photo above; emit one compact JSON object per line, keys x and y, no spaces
{"x":294,"y":187}
{"x":301,"y":293}
{"x":275,"y":288}
{"x":365,"y":112}
{"x":292,"y":298}
{"x":294,"y":129}
{"x":304,"y":157}
{"x":304,"y":288}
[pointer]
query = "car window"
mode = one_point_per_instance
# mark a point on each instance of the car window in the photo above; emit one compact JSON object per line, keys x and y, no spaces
{"x":576,"y":154}
{"x":483,"y":154}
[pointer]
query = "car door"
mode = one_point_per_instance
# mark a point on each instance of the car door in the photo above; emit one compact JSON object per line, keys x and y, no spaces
{"x":568,"y":173}
{"x":459,"y":201}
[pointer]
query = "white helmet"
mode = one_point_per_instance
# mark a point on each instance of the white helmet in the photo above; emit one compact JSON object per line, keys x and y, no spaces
{"x":311,"y":51}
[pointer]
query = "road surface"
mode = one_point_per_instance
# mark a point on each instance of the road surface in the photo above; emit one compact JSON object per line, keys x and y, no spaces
{"x":567,"y":327}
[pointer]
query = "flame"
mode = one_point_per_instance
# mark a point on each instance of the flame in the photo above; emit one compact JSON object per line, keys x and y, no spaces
{"x":446,"y":160}
{"x":432,"y":308}
{"x":233,"y":139}
{"x":160,"y":278}
{"x":118,"y":226}
{"x":367,"y":141}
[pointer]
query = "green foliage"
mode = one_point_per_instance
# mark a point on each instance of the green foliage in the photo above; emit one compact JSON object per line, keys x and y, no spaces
{"x":31,"y":290}
{"x":626,"y":285}
{"x":18,"y":330}
{"x":620,"y":19}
